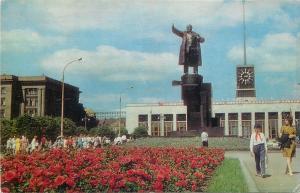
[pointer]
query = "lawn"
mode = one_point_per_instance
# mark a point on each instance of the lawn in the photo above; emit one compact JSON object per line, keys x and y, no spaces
{"x":228,"y":143}
{"x":228,"y":177}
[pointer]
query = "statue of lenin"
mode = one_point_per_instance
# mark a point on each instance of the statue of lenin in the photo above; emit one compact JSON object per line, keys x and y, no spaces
{"x":190,"y":51}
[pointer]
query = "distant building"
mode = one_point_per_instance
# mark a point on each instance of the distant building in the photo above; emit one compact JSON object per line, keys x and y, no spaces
{"x":235,"y":118}
{"x":38,"y":96}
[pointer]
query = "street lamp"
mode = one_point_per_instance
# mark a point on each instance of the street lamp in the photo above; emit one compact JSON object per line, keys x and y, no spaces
{"x":63,"y":96}
{"x":120,"y":109}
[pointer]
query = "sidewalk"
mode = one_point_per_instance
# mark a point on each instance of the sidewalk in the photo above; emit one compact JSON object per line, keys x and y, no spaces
{"x":276,"y":181}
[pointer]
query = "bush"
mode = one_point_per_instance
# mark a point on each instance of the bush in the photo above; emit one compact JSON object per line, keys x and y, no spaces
{"x":140,"y":132}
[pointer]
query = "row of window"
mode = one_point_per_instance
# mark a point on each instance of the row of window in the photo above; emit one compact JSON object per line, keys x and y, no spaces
{"x":165,"y":117}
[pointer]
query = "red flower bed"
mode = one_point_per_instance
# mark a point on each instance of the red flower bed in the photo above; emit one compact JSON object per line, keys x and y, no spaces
{"x":111,"y":169}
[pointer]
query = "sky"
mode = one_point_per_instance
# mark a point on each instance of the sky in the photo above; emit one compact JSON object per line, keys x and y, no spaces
{"x":129,"y":43}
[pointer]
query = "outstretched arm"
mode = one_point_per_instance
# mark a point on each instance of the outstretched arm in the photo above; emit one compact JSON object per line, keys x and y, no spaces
{"x":176,"y":31}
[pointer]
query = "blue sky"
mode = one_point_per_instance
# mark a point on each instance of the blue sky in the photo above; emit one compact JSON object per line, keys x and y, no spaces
{"x":127,"y":43}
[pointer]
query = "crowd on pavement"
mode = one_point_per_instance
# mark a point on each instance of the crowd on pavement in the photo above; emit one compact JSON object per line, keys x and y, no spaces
{"x":16,"y":145}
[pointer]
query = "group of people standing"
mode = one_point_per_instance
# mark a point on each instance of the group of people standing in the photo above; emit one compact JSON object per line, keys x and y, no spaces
{"x":16,"y":145}
{"x":258,"y":146}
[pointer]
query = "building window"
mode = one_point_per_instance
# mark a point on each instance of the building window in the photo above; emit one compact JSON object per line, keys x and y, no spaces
{"x":168,"y":124}
{"x":3,"y":90}
{"x":143,"y":121}
{"x":273,"y":124}
{"x":155,"y":125}
{"x":233,"y":123}
{"x":31,"y":91}
{"x":31,"y":112}
{"x":3,"y":101}
{"x":246,"y":125}
{"x":221,"y":119}
{"x":181,"y":122}
{"x":260,"y":120}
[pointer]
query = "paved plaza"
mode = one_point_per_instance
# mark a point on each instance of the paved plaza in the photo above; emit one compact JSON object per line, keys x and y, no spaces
{"x":276,"y":180}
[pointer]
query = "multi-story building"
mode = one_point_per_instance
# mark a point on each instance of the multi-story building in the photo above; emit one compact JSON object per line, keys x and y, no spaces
{"x":38,"y":96}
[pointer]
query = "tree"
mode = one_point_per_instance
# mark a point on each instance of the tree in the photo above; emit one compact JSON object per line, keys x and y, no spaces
{"x":123,"y":131}
{"x":103,"y":131}
{"x":140,"y":132}
{"x":8,"y":130}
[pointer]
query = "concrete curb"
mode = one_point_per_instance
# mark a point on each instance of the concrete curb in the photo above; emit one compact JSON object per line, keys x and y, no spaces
{"x":249,"y":180}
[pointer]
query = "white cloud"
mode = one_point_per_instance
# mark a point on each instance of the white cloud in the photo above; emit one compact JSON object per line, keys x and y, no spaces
{"x":74,"y":15}
{"x":112,"y":64}
{"x":277,"y":52}
{"x":26,"y":41}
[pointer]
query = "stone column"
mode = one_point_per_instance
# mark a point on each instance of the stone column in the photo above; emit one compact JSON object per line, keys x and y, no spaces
{"x":174,"y":122}
{"x":149,"y":123}
{"x":43,"y":101}
{"x":162,"y":124}
{"x":279,"y":122}
{"x":252,"y":121}
{"x":294,"y":116}
{"x":226,"y":129}
{"x":267,"y":133}
{"x":39,"y":107}
{"x":240,"y":129}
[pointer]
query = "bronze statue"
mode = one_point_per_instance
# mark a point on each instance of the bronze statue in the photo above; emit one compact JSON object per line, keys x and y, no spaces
{"x":190,"y":51}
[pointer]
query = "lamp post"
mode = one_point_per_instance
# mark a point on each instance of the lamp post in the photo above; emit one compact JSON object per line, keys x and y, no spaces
{"x":120,"y":109}
{"x":63,"y":96}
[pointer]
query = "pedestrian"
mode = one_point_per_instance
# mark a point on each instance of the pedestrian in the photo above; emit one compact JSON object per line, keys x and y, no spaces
{"x":288,"y":136}
{"x":204,"y":138}
{"x":43,"y":142}
{"x":18,"y":145}
{"x":258,"y":149}
{"x":34,"y":144}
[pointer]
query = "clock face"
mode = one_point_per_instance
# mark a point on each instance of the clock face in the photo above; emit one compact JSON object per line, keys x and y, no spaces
{"x":245,"y":76}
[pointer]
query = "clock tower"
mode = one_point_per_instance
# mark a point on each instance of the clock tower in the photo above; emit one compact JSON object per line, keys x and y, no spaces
{"x":245,"y":82}
{"x":245,"y":75}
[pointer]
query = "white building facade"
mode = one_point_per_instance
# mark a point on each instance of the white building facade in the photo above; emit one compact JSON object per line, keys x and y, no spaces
{"x":236,"y":117}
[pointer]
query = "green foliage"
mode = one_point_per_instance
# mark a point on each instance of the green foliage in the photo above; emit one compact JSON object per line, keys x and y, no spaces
{"x":103,"y":131}
{"x":69,"y":126}
{"x":31,"y":126}
{"x":123,"y":131}
{"x":228,"y":178}
{"x":140,"y":132}
{"x":8,"y":130}
{"x":81,"y":130}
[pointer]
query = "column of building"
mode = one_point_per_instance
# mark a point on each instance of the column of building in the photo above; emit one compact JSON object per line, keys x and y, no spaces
{"x":226,"y":129}
{"x":174,"y":122}
{"x":162,"y":124}
{"x":149,"y":123}
{"x":267,"y":133}
{"x":240,"y":129}
{"x":279,"y":122}
{"x":252,"y":120}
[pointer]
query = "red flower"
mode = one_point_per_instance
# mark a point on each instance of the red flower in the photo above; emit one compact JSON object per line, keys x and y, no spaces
{"x":158,"y":186}
{"x":70,"y":182}
{"x":59,"y":180}
{"x":5,"y":190}
{"x":9,"y":176}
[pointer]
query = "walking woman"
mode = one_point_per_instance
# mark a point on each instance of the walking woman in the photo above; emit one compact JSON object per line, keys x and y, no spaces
{"x":288,"y":136}
{"x":258,"y":149}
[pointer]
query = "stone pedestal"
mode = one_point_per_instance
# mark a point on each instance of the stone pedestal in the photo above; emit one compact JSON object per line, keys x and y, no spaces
{"x":196,"y":95}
